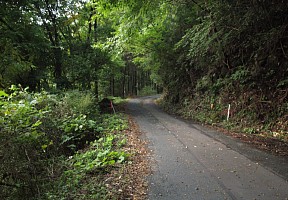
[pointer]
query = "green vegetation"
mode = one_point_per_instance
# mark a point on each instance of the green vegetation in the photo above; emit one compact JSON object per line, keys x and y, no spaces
{"x":63,"y":45}
{"x":231,"y":53}
{"x":202,"y":55}
{"x":52,"y":149}
{"x":147,"y":90}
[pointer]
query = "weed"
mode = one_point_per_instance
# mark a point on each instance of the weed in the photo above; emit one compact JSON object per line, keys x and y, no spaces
{"x":51,"y":147}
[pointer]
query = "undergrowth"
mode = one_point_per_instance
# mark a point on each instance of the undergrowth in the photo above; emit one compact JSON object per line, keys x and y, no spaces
{"x":250,"y":112}
{"x":147,"y":91}
{"x":57,"y":146}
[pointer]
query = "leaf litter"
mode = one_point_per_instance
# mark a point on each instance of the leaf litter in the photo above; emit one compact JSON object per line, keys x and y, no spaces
{"x":129,"y":181}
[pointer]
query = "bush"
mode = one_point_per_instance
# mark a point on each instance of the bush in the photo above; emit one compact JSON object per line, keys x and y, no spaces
{"x":80,"y":179}
{"x":43,"y":138}
{"x":80,"y":102}
{"x":23,"y":145}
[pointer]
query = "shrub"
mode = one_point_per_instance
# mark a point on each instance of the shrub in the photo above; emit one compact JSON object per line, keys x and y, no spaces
{"x":49,"y":141}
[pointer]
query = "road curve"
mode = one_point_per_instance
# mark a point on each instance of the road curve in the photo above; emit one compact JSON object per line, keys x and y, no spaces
{"x":193,"y":162}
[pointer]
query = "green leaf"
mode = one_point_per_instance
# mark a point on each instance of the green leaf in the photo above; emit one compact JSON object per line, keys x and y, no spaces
{"x":121,"y":159}
{"x":3,"y":94}
{"x":36,"y":124}
{"x":44,"y":146}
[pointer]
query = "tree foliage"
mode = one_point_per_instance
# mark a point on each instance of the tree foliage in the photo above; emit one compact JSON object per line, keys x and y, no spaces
{"x":64,"y":45}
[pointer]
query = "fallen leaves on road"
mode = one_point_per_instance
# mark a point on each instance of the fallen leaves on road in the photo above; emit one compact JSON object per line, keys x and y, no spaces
{"x":275,"y":146}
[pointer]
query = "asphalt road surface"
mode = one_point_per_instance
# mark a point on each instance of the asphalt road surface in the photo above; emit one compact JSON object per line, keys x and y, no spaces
{"x":193,"y":162}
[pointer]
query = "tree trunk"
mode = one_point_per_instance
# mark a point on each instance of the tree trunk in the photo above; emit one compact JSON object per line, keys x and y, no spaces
{"x":96,"y":89}
{"x":135,"y":85}
{"x":124,"y":83}
{"x":113,"y":86}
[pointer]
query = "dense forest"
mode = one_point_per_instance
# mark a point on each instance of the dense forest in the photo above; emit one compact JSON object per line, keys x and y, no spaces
{"x":62,"y":45}
{"x":62,"y":57}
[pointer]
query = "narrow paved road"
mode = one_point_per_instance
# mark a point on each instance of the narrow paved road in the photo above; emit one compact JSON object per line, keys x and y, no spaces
{"x":193,"y":162}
